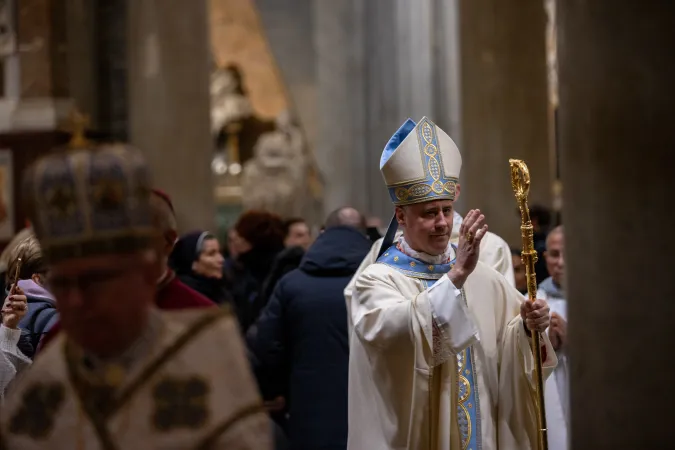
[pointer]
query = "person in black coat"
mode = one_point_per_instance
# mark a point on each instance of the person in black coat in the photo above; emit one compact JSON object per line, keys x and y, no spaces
{"x":261,"y":238}
{"x":303,"y":335}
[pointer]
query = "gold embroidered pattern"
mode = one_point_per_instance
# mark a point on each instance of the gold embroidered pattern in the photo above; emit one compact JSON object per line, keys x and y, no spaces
{"x":180,"y":403}
{"x":441,"y":350}
{"x":37,"y":414}
{"x":463,"y":417}
{"x":61,"y":201}
{"x":108,"y":194}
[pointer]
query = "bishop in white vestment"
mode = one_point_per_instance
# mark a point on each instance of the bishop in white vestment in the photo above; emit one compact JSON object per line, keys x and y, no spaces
{"x":440,"y":356}
{"x":494,"y":252}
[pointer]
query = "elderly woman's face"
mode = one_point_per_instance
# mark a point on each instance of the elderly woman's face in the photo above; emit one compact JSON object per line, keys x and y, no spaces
{"x":210,"y":262}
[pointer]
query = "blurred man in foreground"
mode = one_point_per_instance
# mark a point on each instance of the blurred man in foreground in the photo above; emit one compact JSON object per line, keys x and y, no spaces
{"x":172,"y":294}
{"x":122,"y":374}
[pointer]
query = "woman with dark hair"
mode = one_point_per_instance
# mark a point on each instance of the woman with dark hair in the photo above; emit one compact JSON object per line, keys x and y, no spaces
{"x":262,"y":238}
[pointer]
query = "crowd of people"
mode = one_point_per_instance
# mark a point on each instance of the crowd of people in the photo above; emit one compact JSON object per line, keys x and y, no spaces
{"x":117,"y":330}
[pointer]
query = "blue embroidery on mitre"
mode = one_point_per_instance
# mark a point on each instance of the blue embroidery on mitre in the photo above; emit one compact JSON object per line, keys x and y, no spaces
{"x":394,"y":141}
{"x":85,"y":202}
{"x":435,"y":184}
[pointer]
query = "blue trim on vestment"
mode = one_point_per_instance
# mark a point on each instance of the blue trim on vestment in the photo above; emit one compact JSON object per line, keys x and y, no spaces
{"x":412,"y":267}
{"x":468,"y":409}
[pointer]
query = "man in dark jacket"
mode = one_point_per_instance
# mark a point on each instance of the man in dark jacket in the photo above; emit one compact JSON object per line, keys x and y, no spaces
{"x":303,"y":338}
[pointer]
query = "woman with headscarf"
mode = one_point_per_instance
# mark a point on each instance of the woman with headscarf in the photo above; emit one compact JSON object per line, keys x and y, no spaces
{"x":198,"y":263}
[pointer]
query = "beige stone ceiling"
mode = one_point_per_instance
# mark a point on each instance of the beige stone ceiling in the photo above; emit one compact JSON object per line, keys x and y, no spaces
{"x":237,"y":37}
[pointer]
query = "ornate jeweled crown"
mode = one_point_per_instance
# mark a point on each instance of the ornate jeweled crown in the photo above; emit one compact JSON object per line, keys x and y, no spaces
{"x":89,"y":200}
{"x":420,"y":163}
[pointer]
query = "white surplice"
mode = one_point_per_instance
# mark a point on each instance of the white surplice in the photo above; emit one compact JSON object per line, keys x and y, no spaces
{"x":494,"y":252}
{"x":188,"y":387}
{"x":403,"y":375}
{"x":556,"y":391}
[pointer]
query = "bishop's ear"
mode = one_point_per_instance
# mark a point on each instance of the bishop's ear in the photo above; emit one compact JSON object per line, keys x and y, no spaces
{"x":400,"y":215}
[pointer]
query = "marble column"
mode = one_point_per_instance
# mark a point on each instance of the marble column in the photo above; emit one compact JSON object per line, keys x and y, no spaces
{"x":341,"y":73}
{"x":82,"y":57}
{"x":383,"y":113}
{"x":504,"y":106}
{"x":414,"y":22}
{"x":616,"y":134}
{"x":289,"y":28}
{"x":379,"y":62}
{"x":169,"y":102}
{"x":111,"y":66}
{"x":97,"y":63}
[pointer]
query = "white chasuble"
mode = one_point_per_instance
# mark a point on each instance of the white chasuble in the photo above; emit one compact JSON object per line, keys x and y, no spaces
{"x":433,"y":368}
{"x":494,"y":252}
{"x":190,"y":389}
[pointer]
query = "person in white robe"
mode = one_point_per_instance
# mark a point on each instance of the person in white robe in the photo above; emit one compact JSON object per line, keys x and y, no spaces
{"x":557,"y":387}
{"x":440,"y":355}
{"x":494,"y":252}
{"x":121,"y":374}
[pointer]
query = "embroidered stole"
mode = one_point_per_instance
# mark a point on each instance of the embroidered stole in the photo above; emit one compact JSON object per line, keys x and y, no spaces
{"x":468,"y":410}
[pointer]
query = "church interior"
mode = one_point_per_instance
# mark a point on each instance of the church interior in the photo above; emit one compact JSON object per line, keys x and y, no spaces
{"x":286,"y":105}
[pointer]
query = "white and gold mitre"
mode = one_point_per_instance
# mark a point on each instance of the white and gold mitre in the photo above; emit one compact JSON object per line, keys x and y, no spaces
{"x":420,"y":163}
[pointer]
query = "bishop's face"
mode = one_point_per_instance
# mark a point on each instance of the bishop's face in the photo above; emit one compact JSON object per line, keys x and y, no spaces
{"x":427,"y":226}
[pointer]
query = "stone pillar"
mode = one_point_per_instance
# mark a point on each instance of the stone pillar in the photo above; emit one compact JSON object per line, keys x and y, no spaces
{"x":82,"y":57}
{"x":504,"y":106}
{"x":288,"y":26}
{"x":341,"y":72}
{"x":97,"y":63}
{"x":383,"y":113}
{"x":111,"y":66}
{"x":447,"y":81}
{"x":169,"y":102}
{"x":377,"y":64}
{"x":616,"y":130}
{"x":416,"y":92}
